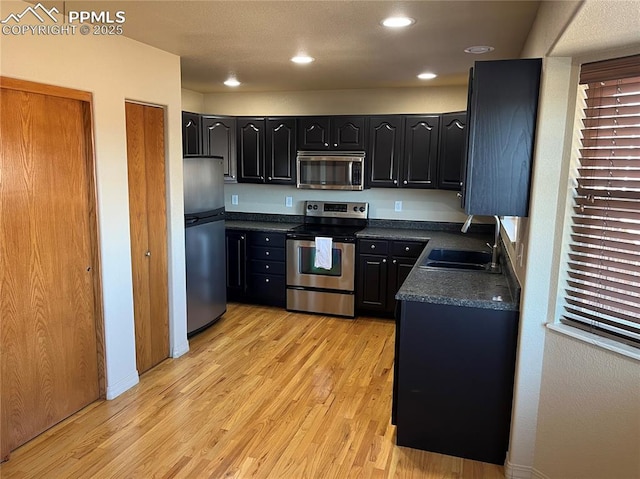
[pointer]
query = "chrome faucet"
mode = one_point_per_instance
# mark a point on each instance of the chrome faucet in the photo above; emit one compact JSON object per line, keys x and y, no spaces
{"x":494,"y":267}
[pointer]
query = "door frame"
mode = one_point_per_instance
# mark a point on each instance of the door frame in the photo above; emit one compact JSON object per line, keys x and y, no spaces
{"x":87,"y":100}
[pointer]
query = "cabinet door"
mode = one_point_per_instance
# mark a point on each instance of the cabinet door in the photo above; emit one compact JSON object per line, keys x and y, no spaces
{"x":191,"y":139}
{"x":398,"y":272}
{"x":372,"y":282}
{"x":502,"y":119}
{"x":236,"y":242}
{"x":384,"y":151}
{"x":280,"y":154}
{"x":313,"y":133}
{"x":347,"y":133}
{"x":420,"y":163}
{"x":453,"y":137}
{"x":219,"y":139}
{"x":251,"y":150}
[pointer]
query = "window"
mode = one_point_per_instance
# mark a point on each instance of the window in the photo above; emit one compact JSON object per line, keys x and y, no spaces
{"x":602,"y":290}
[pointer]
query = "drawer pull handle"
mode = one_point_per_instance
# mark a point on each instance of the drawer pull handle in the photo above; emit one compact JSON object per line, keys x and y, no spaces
{"x":384,"y":260}
{"x":267,"y":239}
{"x":266,"y":267}
{"x":373,"y":246}
{"x":266,"y":280}
{"x":407,"y":248}
{"x":267,"y":253}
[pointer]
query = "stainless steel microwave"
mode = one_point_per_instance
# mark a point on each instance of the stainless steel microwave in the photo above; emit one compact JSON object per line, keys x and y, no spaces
{"x":330,"y":170}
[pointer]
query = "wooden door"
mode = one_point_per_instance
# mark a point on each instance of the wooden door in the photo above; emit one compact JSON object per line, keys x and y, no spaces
{"x":384,"y":152}
{"x":421,"y":151}
{"x":251,"y":150}
{"x":219,"y":139}
{"x":148,"y":223}
{"x":49,"y":273}
{"x":191,"y":134}
{"x":453,"y":137}
{"x":280,"y":157}
{"x":347,"y":132}
{"x":313,"y":133}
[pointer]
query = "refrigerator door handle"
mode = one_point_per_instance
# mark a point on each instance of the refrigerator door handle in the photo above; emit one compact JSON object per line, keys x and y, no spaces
{"x":191,"y":221}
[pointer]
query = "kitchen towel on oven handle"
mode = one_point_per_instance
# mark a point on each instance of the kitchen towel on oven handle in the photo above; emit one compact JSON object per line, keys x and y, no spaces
{"x":324,"y":247}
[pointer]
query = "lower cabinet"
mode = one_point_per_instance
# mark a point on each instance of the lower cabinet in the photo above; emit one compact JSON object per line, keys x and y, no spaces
{"x":382,"y":267}
{"x":256,"y":267}
{"x":453,"y":379}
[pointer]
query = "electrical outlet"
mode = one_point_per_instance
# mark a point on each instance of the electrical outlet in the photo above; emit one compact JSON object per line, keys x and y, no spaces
{"x":234,"y":199}
{"x":398,"y":206}
{"x":288,"y":201}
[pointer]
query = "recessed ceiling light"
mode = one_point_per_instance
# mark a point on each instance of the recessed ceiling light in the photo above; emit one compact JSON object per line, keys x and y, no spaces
{"x":479,"y":49}
{"x":302,"y":59}
{"x":232,"y":81}
{"x":398,"y":22}
{"x":427,"y":76}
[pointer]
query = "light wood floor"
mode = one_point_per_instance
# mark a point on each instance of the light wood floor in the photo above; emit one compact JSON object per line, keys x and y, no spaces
{"x":262,"y":394}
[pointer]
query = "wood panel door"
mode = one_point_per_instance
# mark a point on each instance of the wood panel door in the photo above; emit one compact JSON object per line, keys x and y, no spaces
{"x":148,"y":223}
{"x":49,"y":272}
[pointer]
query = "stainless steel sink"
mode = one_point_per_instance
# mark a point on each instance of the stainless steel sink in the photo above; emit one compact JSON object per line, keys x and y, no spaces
{"x":457,"y":259}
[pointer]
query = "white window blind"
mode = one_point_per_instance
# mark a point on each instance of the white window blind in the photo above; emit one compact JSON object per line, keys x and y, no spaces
{"x":602,"y":293}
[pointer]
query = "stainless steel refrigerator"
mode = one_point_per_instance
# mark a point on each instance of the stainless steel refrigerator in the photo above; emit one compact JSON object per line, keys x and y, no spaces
{"x":204,"y":241}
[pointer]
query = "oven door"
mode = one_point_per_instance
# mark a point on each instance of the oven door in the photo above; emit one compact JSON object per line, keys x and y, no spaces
{"x":301,"y":271}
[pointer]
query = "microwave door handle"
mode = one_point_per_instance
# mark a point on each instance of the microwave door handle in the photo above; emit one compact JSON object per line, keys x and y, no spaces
{"x":350,"y":179}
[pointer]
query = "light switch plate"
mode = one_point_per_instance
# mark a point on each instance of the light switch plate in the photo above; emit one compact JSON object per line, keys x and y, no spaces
{"x":234,"y":199}
{"x":398,"y":206}
{"x":288,"y":201}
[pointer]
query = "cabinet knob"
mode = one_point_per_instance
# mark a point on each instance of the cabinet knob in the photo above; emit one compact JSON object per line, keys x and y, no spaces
{"x":266,"y":280}
{"x":406,"y":248}
{"x":394,"y":261}
{"x":459,"y":195}
{"x":269,"y":178}
{"x":148,"y":253}
{"x":335,"y":144}
{"x":384,"y":260}
{"x":241,"y":237}
{"x":373,"y":246}
{"x":266,"y":266}
{"x":267,"y":239}
{"x":326,"y":144}
{"x":395,"y":182}
{"x":262,"y":177}
{"x":267,"y":253}
{"x":405,"y":182}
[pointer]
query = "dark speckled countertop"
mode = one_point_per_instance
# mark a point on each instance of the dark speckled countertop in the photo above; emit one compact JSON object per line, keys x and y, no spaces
{"x":267,"y":226}
{"x":476,"y":289}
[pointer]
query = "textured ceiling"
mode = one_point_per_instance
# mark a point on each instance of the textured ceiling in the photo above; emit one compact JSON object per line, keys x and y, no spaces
{"x":255,"y":40}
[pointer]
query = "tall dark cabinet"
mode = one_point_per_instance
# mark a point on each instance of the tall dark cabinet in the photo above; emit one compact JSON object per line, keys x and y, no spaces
{"x":453,"y":137}
{"x":420,"y":165}
{"x":331,"y":133}
{"x":503,"y":105}
{"x":384,"y":155}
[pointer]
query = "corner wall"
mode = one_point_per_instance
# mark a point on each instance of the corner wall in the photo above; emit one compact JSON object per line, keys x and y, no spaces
{"x":115,"y":69}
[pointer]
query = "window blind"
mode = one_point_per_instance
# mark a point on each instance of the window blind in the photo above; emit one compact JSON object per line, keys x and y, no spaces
{"x":602,"y":293}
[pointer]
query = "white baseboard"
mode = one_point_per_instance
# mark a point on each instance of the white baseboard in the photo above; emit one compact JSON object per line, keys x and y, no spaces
{"x":180,"y":349}
{"x":516,"y":471}
{"x":538,"y":475}
{"x":113,"y":391}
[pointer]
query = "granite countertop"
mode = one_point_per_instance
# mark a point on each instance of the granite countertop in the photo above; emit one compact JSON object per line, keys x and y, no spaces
{"x":267,"y":226}
{"x":477,"y":289}
{"x":395,"y":234}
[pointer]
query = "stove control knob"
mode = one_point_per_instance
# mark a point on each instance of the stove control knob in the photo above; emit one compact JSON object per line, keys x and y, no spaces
{"x":315,"y":207}
{"x":309,"y":207}
{"x":355,"y":208}
{"x":362,"y":209}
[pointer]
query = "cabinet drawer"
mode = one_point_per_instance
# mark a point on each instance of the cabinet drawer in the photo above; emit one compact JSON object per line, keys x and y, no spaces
{"x":267,"y":289}
{"x":410,"y":249}
{"x":259,"y":238}
{"x":266,"y":253}
{"x":374,"y":246}
{"x":267,"y":267}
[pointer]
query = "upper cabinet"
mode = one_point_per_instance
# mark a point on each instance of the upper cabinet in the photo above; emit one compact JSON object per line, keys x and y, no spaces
{"x":453,"y":137}
{"x":503,"y":105}
{"x":403,"y":151}
{"x":266,"y":150}
{"x":219,"y":139}
{"x":191,"y":134}
{"x":331,"y":133}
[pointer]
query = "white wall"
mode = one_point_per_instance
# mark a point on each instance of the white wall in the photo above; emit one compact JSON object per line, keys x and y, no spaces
{"x":115,"y":69}
{"x":192,"y":101}
{"x":423,"y":205}
{"x":576,"y":407}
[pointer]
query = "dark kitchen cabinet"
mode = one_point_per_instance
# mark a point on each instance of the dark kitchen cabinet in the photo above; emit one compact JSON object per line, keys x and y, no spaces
{"x":502,"y":114}
{"x":420,"y":154}
{"x":236,"y":245}
{"x":383,"y":265}
{"x":280,"y":157}
{"x":191,"y":134}
{"x":266,"y":150}
{"x":219,"y":139}
{"x":384,"y":151}
{"x":403,"y":151}
{"x":452,"y":149}
{"x":453,"y":379}
{"x":331,"y":133}
{"x":256,"y":267}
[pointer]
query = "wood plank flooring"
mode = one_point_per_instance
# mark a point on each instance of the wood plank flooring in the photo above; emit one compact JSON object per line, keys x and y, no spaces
{"x":264,"y":393}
